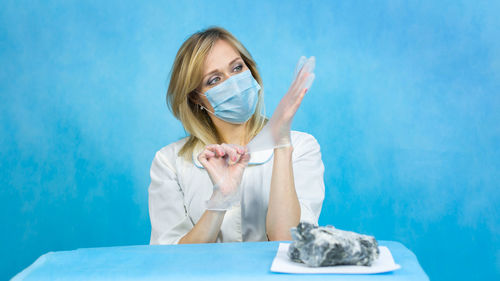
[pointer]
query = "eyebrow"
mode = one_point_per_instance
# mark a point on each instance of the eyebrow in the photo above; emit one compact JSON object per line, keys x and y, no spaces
{"x":215,"y":70}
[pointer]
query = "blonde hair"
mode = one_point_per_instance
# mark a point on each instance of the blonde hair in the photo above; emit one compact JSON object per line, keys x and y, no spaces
{"x":186,"y":76}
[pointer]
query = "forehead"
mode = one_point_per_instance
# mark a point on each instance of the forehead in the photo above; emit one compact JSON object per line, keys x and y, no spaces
{"x":221,"y":54}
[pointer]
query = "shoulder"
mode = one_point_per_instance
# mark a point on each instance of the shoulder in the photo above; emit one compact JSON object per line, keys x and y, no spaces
{"x":169,"y":153}
{"x":302,"y":138}
{"x":304,"y":143}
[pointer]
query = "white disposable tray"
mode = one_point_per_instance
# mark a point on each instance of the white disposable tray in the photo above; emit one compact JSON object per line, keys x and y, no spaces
{"x":283,"y":264}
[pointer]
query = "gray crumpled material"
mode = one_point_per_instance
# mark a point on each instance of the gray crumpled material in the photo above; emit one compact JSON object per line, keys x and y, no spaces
{"x":326,"y":246}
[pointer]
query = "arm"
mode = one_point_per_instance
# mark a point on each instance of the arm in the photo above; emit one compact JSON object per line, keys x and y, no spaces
{"x":227,"y":178}
{"x":206,"y":229}
{"x":170,"y":223}
{"x":306,"y":180}
{"x":284,"y":208}
{"x":169,"y":219}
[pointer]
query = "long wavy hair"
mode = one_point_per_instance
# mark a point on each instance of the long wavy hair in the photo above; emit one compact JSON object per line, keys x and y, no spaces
{"x":186,"y":76}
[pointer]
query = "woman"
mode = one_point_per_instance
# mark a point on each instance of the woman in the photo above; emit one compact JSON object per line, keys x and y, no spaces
{"x":208,"y":187}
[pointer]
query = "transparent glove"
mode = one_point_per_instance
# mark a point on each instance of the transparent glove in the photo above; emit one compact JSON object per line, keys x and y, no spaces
{"x":225,"y":165}
{"x":276,"y":133}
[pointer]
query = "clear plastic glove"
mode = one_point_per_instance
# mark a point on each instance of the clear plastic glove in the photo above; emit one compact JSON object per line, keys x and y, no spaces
{"x":276,"y":133}
{"x":225,"y":164}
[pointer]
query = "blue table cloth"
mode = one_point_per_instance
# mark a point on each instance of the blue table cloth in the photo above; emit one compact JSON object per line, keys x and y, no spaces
{"x":219,"y":261}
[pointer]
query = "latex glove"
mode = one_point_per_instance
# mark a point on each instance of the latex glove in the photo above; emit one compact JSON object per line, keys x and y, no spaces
{"x":276,"y":133}
{"x":225,"y":165}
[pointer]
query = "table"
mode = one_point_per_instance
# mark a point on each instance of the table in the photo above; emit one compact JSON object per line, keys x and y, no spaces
{"x":219,"y":261}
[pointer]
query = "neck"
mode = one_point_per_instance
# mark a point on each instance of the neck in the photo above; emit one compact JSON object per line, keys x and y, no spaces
{"x":231,"y":133}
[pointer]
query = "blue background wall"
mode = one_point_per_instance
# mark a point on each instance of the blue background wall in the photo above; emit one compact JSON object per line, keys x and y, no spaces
{"x":405,"y":107}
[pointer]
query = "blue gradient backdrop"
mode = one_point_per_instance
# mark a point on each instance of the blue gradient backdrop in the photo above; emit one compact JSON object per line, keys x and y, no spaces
{"x":405,"y":107}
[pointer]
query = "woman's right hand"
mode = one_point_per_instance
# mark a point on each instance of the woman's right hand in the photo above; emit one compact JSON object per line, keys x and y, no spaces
{"x":225,"y":164}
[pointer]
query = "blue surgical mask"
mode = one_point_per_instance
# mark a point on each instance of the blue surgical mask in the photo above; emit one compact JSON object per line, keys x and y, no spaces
{"x":235,"y":99}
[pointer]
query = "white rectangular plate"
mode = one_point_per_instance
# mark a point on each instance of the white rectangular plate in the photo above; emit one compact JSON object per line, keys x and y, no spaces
{"x":283,"y":264}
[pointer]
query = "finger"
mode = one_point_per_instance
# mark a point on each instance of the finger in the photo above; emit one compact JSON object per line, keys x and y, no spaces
{"x":220,"y":150}
{"x":211,"y":147}
{"x":231,"y":152}
{"x":217,"y":149}
{"x":206,"y":153}
{"x":309,"y":65}
{"x":297,"y":79}
{"x":299,"y":66}
{"x":204,"y":156}
{"x":295,"y":104}
{"x":309,"y":81}
{"x":305,"y":82}
{"x":243,"y":149}
{"x":240,"y":149}
{"x":298,"y":101}
{"x":244,"y":159}
{"x":297,"y":86}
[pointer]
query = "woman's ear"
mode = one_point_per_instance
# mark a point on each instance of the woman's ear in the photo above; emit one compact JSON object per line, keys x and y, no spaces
{"x":195,"y":98}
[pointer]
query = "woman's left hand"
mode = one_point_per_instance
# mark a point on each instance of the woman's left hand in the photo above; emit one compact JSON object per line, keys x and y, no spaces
{"x":276,"y":133}
{"x":281,"y":120}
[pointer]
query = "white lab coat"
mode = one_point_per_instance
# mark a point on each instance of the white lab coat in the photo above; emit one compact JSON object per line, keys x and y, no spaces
{"x":179,"y":190}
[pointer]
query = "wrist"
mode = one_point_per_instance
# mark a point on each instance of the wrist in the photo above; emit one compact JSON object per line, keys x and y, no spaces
{"x":216,"y":213}
{"x":284,"y":148}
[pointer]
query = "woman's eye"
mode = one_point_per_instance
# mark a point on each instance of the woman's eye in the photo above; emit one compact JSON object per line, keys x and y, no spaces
{"x":238,"y":67}
{"x":213,"y":81}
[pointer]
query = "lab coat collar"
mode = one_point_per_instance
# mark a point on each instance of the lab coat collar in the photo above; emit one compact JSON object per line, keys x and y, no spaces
{"x":256,"y":158}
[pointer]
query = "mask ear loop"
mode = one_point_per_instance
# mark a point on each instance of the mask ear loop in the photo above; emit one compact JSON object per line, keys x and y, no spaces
{"x":204,"y":108}
{"x":201,"y":105}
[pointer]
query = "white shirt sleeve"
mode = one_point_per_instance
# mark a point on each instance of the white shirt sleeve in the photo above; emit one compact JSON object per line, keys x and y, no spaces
{"x":169,"y":219}
{"x":308,"y":170}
